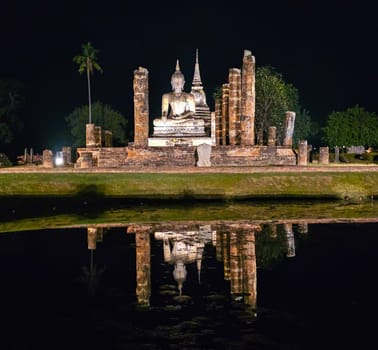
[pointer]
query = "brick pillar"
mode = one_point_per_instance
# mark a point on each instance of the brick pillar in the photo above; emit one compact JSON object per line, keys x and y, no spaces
{"x":98,"y":136}
{"x":90,"y":138}
{"x":289,"y":128}
{"x":225,"y":108}
{"x":272,"y":131}
{"x":67,"y":155}
{"x":218,"y":120}
{"x":141,"y":107}
{"x":234,"y":80}
{"x":324,"y":155}
{"x":302,"y":152}
{"x":47,"y":159}
{"x":247,"y":121}
{"x":108,"y":138}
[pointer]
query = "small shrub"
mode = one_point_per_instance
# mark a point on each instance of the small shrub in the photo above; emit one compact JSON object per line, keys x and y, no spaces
{"x":4,"y":161}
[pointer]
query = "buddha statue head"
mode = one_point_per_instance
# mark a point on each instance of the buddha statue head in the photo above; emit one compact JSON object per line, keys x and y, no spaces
{"x":177,"y":79}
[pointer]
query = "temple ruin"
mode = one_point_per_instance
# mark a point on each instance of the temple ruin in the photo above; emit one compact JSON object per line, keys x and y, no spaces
{"x":188,"y":133}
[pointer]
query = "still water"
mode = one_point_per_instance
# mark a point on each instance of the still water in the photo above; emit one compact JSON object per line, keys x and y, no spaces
{"x":190,"y":286}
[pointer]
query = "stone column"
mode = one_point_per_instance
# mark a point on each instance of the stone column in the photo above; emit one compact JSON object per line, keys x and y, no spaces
{"x":272,"y":136}
{"x":225,"y":107}
{"x":324,"y":155}
{"x":302,"y":152}
{"x":47,"y":159}
{"x":141,"y":107}
{"x":247,"y":121}
{"x":234,"y":80}
{"x":108,"y":138}
{"x":289,"y":128}
{"x":218,"y":120}
{"x":67,"y":155}
{"x":213,"y":129}
{"x":98,"y":136}
{"x":90,"y":138}
{"x":337,"y":154}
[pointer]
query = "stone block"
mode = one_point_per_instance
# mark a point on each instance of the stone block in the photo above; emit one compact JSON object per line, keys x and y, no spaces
{"x":204,"y":152}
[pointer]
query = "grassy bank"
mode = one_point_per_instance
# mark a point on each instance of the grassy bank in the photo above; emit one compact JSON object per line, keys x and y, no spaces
{"x":325,"y":184}
{"x":35,"y":214}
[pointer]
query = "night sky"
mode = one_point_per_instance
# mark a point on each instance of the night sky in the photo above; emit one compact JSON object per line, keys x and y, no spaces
{"x":327,"y":50}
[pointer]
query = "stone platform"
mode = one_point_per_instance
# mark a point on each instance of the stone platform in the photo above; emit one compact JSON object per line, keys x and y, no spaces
{"x":179,"y":141}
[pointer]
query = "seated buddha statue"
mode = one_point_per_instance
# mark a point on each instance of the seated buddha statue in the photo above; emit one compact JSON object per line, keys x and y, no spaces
{"x":178,"y":106}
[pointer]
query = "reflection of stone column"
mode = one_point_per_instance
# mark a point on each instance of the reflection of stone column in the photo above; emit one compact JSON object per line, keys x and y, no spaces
{"x":218,"y":120}
{"x":235,"y":264}
{"x":324,"y":155}
{"x":226,"y":256}
{"x":302,"y":152}
{"x":249,"y":269}
{"x":92,"y":238}
{"x":234,"y":80}
{"x":225,"y":107}
{"x":290,"y":240}
{"x":90,"y":139}
{"x":273,"y":230}
{"x":219,"y":245}
{"x":247,"y":122}
{"x":243,"y":263}
{"x":143,"y":267}
{"x":272,"y":136}
{"x":289,"y":128}
{"x":302,"y":227}
{"x":141,"y":107}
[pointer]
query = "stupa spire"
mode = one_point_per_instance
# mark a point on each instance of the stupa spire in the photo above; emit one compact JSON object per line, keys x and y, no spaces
{"x":197,"y":76}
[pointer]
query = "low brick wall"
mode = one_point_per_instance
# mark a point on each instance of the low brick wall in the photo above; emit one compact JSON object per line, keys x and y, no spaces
{"x":252,"y":156}
{"x":186,"y":156}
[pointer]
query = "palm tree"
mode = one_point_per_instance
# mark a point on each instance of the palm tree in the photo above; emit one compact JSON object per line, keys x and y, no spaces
{"x":87,"y":62}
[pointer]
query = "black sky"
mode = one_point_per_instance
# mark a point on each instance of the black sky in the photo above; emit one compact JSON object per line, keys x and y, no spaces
{"x":325,"y":49}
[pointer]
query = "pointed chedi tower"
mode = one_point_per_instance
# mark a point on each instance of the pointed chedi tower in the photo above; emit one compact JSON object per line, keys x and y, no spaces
{"x":202,"y":109}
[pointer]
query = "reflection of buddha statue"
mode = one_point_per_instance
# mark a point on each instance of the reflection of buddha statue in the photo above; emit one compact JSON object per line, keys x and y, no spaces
{"x":178,"y":107}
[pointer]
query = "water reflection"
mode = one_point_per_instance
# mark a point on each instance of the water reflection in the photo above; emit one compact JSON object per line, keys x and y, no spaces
{"x":218,"y":285}
{"x":240,"y":248}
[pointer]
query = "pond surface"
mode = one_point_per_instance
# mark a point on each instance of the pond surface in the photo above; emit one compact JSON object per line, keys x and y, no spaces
{"x":224,"y":285}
